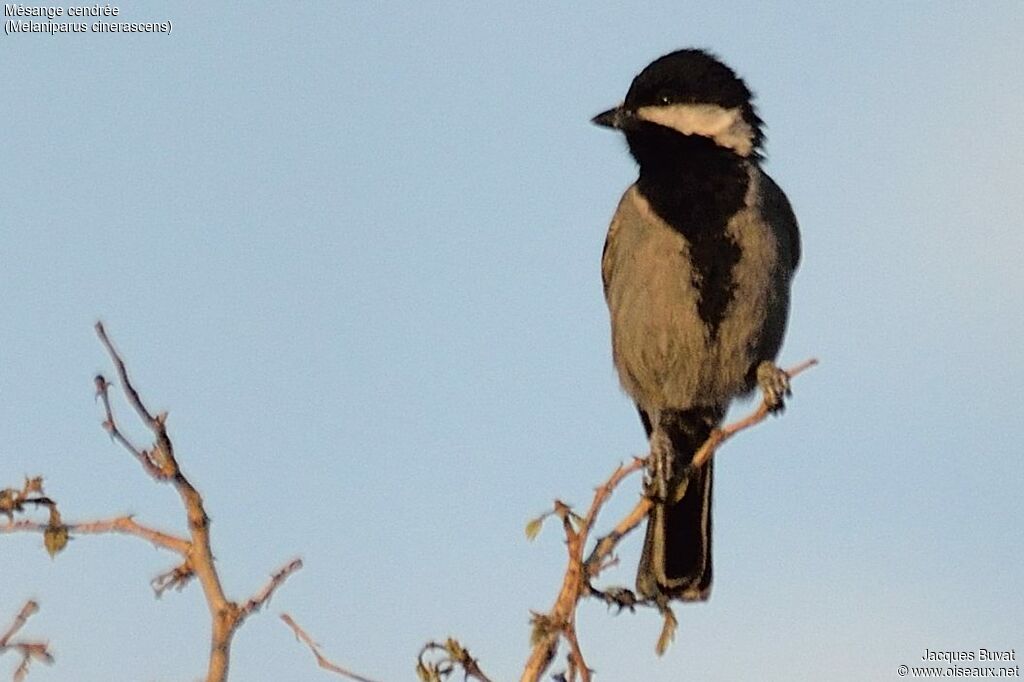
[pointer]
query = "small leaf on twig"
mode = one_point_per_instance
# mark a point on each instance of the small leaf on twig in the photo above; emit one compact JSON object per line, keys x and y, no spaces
{"x":454,"y":649}
{"x":534,"y":526}
{"x":55,"y":539}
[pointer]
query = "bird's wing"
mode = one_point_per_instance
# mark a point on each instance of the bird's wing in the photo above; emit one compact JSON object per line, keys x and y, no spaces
{"x":779,"y":214}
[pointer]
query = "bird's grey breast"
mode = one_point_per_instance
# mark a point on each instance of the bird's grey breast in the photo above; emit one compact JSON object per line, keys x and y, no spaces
{"x":666,"y":353}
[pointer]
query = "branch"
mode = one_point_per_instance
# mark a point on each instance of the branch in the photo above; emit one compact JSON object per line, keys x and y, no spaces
{"x":263,"y":596}
{"x":56,"y":533}
{"x":125,"y":525}
{"x":606,"y":545}
{"x":110,"y":425}
{"x":133,"y":396}
{"x":719,"y":436}
{"x":321,"y":660}
{"x":30,"y":651}
{"x":161,"y":464}
{"x":560,"y":622}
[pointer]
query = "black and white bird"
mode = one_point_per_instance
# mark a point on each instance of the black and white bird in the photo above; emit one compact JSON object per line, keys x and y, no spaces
{"x":697,"y":268}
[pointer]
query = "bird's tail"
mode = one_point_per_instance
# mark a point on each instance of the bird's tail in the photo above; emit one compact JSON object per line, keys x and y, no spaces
{"x":676,"y":559}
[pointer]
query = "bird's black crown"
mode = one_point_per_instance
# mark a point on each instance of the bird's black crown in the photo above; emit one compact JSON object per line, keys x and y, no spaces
{"x":693,"y":76}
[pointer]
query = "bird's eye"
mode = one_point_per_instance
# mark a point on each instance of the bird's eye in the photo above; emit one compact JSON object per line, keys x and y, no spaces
{"x":665,"y":97}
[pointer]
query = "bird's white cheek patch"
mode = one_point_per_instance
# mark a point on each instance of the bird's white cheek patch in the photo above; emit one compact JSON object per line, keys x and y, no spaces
{"x":725,"y":126}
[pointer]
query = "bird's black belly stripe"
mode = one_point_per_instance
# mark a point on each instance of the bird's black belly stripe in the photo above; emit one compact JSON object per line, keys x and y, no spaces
{"x":714,"y":256}
{"x":696,"y":187}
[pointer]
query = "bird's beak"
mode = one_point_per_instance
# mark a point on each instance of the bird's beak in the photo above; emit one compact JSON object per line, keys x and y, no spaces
{"x":619,"y":118}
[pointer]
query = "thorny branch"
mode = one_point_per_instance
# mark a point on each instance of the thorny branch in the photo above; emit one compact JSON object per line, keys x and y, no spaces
{"x":560,"y":622}
{"x":160,"y":463}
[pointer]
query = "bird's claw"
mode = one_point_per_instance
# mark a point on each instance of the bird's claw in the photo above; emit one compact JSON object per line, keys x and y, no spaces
{"x":774,"y":383}
{"x":621,"y":598}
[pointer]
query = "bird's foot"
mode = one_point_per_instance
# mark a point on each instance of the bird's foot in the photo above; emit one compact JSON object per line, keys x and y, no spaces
{"x":621,"y":598}
{"x":667,"y":477}
{"x":774,"y":384}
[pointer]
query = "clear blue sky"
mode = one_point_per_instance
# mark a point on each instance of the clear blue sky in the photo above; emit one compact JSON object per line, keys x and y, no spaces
{"x":353,"y":248}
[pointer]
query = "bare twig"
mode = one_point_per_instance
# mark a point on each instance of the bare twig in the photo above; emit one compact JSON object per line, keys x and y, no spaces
{"x":125,"y":525}
{"x":133,"y":396}
{"x":719,"y":436}
{"x":260,"y":599}
{"x":110,"y":425}
{"x":30,"y":651}
{"x":606,"y":544}
{"x":577,"y":665}
{"x":560,"y":621}
{"x":30,"y":608}
{"x":321,"y":660}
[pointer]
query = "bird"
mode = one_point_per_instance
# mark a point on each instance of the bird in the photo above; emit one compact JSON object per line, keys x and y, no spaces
{"x":697,"y":269}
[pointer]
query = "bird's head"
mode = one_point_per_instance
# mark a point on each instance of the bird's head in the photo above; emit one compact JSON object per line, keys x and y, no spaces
{"x":691,"y":93}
